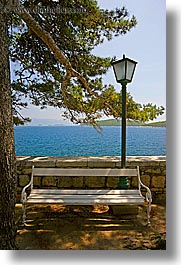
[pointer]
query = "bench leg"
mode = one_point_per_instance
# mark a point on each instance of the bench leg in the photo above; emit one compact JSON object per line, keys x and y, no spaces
{"x":24,"y":213}
{"x":148,"y":214}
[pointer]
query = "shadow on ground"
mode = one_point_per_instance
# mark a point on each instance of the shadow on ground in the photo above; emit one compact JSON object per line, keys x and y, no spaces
{"x":55,"y":227}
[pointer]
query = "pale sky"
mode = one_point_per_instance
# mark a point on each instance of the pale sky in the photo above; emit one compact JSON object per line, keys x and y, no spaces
{"x":146,"y":44}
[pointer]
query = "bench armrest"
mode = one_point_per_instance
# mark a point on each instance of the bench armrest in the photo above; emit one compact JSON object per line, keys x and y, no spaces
{"x":23,"y":193}
{"x":148,"y":192}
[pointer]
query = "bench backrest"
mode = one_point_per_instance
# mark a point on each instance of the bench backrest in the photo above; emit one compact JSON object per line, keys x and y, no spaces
{"x":84,"y":172}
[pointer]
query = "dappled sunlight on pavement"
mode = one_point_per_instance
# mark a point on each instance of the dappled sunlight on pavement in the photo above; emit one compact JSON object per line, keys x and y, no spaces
{"x":89,"y":227}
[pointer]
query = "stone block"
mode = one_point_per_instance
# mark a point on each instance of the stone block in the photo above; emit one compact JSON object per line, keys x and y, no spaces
{"x":156,"y":170}
{"x":23,"y":180}
{"x":49,"y":182}
{"x":101,"y":162}
{"x":134,"y":182}
{"x":133,"y":163}
{"x":112,"y":182}
{"x":160,"y":198}
{"x":65,"y":182}
{"x":162,"y":163}
{"x":164,"y":172}
{"x":156,"y":190}
{"x":142,"y":171}
{"x":129,"y":180}
{"x":71,"y":162}
{"x":77,"y":182}
{"x":94,"y":182}
{"x":26,"y":170}
{"x":148,"y":170}
{"x":26,"y":163}
{"x":37,"y":181}
{"x":146,"y":180}
{"x":158,"y":181}
{"x":118,"y":164}
{"x":48,"y":163}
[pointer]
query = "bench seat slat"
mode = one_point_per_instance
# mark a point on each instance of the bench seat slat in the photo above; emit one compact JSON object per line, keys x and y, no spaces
{"x":85,"y":197}
{"x":78,"y":201}
{"x":81,"y":192}
{"x":57,"y":172}
{"x":82,"y":197}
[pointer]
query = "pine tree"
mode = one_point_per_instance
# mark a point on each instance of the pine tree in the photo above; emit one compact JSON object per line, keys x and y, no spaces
{"x":7,"y":150}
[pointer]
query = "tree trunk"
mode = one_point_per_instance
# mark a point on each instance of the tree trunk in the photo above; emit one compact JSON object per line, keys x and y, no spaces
{"x":7,"y":150}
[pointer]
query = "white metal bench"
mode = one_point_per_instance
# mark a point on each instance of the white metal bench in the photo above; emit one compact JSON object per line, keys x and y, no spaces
{"x":86,"y":197}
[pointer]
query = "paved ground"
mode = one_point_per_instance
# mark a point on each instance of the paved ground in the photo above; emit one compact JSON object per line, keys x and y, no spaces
{"x":55,"y":227}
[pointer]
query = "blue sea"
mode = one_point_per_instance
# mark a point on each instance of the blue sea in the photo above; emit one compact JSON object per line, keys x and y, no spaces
{"x":86,"y":141}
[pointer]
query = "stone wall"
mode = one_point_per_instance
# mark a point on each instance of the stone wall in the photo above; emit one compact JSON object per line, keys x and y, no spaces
{"x":152,"y":169}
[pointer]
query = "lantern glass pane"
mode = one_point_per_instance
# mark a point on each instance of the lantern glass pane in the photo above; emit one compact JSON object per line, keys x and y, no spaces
{"x":130,"y":70}
{"x":119,"y":69}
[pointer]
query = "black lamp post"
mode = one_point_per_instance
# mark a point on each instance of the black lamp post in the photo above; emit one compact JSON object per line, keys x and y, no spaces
{"x":124,"y":70}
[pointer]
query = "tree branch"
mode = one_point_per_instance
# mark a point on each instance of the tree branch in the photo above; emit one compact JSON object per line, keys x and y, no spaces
{"x":44,"y":36}
{"x":49,"y":41}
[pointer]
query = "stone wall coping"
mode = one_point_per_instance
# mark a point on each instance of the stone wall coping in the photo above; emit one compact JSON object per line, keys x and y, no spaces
{"x":86,"y":159}
{"x":75,"y":158}
{"x":100,"y":158}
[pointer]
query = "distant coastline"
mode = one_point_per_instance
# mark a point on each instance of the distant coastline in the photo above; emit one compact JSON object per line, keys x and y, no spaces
{"x":114,"y":122}
{"x":107,"y":122}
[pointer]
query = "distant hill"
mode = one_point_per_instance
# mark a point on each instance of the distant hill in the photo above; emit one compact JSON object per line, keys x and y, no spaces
{"x":157,"y":124}
{"x":114,"y":122}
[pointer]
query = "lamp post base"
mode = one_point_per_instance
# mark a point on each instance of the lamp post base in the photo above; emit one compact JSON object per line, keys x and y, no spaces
{"x":125,"y":212}
{"x":123,"y":183}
